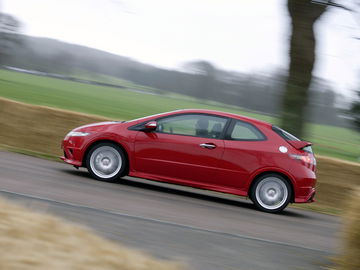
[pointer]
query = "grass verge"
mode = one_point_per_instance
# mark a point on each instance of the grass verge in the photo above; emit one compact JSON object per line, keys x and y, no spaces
{"x":32,"y":240}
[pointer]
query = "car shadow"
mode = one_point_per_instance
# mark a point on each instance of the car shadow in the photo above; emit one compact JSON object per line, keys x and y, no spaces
{"x":80,"y":173}
{"x":241,"y":202}
{"x":291,"y":212}
{"x":191,"y":194}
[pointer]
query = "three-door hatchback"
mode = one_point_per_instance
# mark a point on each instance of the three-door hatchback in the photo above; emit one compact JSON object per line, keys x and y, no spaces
{"x":206,"y":149}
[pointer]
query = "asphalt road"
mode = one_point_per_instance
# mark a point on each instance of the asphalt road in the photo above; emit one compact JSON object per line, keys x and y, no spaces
{"x":206,"y":230}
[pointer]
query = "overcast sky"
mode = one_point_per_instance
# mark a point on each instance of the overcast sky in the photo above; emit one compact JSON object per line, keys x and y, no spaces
{"x":242,"y":35}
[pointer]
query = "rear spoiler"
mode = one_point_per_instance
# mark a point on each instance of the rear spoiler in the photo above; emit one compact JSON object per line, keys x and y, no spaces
{"x":299,"y":144}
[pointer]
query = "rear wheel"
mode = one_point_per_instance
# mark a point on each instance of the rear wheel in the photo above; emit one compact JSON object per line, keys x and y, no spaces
{"x":106,"y":162}
{"x":271,"y":193}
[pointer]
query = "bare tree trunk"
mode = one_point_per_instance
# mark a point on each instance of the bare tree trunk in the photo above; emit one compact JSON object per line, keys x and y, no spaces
{"x":9,"y":35}
{"x":302,"y":57}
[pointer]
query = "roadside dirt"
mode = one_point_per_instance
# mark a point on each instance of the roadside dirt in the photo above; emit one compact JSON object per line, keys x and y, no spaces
{"x":32,"y":240}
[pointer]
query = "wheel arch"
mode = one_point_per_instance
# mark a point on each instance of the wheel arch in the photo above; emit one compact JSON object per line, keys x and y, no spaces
{"x":92,"y":144}
{"x":283,"y":175}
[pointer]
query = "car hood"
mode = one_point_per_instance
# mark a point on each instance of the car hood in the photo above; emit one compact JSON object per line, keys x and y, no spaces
{"x":98,"y":126}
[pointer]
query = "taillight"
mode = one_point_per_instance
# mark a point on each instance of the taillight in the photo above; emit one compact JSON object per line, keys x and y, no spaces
{"x":307,"y":160}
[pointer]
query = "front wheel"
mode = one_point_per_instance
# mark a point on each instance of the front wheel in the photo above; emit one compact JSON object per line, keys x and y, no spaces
{"x":271,"y":193}
{"x":106,"y":162}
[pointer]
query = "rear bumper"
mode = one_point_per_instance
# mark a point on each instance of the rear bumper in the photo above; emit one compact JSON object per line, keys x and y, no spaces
{"x":309,"y":198}
{"x":304,"y":184}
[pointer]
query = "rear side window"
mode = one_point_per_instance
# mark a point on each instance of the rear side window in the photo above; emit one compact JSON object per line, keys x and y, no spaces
{"x":289,"y":137}
{"x":308,"y":149}
{"x":243,"y":131}
{"x":284,"y":134}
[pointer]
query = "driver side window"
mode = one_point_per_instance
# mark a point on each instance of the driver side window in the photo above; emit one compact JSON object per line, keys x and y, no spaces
{"x":199,"y":125}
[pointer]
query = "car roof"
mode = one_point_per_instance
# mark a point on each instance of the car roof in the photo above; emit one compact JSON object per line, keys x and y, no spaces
{"x":225,"y":114}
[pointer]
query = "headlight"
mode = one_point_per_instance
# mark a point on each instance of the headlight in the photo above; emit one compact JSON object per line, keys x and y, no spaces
{"x":77,"y":134}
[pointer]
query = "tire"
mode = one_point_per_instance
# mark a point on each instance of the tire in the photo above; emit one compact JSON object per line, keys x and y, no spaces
{"x":106,"y":162}
{"x":271,"y":193}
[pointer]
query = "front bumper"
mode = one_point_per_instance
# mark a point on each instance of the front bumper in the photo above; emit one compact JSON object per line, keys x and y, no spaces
{"x":73,"y":153}
{"x":71,"y":161}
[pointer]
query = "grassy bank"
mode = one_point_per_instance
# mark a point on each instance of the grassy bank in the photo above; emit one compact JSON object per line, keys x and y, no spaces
{"x":37,"y":241}
{"x":336,"y":181}
{"x":114,"y":103}
{"x":39,"y":130}
{"x":350,"y":259}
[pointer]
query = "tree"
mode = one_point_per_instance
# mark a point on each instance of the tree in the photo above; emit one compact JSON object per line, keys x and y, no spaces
{"x":355,"y":112}
{"x":9,"y":35}
{"x":303,"y":15}
{"x":207,"y":82}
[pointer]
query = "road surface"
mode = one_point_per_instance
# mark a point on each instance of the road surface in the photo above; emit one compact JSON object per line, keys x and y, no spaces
{"x":206,"y":230}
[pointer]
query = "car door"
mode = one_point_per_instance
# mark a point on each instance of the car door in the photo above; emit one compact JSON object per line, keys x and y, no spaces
{"x":184,"y":148}
{"x":244,"y":148}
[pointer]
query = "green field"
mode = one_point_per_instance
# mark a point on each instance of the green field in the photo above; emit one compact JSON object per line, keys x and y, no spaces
{"x":124,"y":104}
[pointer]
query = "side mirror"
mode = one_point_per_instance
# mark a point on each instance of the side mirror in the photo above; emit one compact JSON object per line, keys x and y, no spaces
{"x":150,"y":126}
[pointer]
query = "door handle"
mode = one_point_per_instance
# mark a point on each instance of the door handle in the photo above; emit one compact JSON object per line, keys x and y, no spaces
{"x":208,"y":145}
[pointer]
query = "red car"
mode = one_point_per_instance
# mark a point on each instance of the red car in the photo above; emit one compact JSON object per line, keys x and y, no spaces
{"x":200,"y":148}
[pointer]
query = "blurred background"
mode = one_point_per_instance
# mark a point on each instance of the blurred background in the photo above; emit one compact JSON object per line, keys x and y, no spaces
{"x":294,"y":63}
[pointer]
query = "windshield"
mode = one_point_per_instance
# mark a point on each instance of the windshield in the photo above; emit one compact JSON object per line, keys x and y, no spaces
{"x":150,"y":116}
